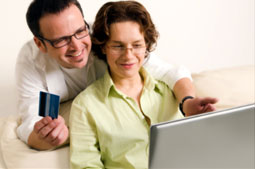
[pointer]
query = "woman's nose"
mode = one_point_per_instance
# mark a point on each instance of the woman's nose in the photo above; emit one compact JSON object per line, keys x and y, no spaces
{"x":128,"y":52}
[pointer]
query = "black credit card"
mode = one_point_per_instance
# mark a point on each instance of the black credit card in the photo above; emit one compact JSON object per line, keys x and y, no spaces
{"x":49,"y":105}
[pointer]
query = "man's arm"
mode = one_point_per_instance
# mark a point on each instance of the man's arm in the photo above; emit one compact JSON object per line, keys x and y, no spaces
{"x":165,"y":72}
{"x":180,"y":81}
{"x":30,"y":82}
{"x":183,"y":88}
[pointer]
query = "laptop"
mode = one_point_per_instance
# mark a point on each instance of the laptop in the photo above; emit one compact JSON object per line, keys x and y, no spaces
{"x":220,"y":139}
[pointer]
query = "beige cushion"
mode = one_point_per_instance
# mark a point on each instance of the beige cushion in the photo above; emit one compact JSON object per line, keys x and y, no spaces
{"x":16,"y":154}
{"x":2,"y":163}
{"x":233,"y":86}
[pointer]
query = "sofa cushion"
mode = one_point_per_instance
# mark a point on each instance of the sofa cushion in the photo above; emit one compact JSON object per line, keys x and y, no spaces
{"x":16,"y":154}
{"x":232,"y":86}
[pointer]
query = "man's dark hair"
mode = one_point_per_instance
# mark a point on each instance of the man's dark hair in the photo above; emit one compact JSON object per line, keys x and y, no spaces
{"x":39,"y":8}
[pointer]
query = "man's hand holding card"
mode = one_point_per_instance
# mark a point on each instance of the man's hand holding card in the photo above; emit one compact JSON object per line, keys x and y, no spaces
{"x":50,"y":131}
{"x":49,"y":105}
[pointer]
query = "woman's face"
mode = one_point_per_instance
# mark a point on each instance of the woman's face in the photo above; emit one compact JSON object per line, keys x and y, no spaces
{"x":125,"y":50}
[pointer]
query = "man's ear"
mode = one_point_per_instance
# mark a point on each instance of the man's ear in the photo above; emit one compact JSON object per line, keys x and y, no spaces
{"x":40,"y":45}
{"x":103,"y":50}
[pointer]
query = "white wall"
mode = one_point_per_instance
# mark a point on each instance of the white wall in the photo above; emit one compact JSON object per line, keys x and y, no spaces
{"x":13,"y":33}
{"x":201,"y":34}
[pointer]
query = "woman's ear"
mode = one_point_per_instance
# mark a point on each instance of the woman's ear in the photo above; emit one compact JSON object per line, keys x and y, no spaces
{"x":40,"y":45}
{"x":147,"y":54}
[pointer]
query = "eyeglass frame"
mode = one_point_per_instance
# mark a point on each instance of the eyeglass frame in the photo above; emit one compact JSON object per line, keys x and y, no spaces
{"x":86,"y":26}
{"x":119,"y":50}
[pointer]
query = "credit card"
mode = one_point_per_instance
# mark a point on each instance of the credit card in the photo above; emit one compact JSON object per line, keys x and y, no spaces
{"x":49,"y":105}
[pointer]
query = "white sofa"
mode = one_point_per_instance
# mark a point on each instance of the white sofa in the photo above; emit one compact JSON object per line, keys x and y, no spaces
{"x":233,"y":86}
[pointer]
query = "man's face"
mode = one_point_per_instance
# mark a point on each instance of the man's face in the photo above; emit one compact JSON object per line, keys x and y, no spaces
{"x":66,"y":23}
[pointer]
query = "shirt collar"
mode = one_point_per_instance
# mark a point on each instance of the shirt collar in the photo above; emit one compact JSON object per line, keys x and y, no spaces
{"x":149,"y":84}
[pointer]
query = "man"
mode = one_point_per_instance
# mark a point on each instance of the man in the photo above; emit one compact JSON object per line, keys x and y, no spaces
{"x":59,"y":62}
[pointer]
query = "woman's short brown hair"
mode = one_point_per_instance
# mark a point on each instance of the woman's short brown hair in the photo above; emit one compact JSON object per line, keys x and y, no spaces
{"x":121,"y":11}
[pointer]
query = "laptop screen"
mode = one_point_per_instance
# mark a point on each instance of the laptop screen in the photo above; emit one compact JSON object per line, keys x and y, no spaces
{"x":221,"y":139}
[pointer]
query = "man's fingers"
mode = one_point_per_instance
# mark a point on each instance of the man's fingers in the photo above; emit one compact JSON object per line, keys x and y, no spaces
{"x":208,"y":100}
{"x":47,"y":129}
{"x":56,"y":136}
{"x":42,"y":123}
{"x":62,"y":136}
{"x":209,"y":108}
{"x":54,"y":133}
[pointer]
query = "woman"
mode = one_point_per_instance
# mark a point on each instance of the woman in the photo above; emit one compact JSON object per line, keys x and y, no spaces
{"x":110,"y":120}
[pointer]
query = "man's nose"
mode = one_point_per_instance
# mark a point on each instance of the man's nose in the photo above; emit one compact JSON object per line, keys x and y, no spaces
{"x":74,"y":43}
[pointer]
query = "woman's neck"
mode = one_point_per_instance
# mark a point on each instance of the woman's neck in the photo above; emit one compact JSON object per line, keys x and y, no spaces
{"x":131,"y":86}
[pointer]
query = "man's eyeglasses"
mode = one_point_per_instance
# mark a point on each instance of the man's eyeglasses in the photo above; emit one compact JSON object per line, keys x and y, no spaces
{"x":120,"y":49}
{"x":65,"y":40}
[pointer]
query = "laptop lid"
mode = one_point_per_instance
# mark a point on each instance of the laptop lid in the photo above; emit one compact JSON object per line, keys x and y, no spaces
{"x":221,"y":139}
